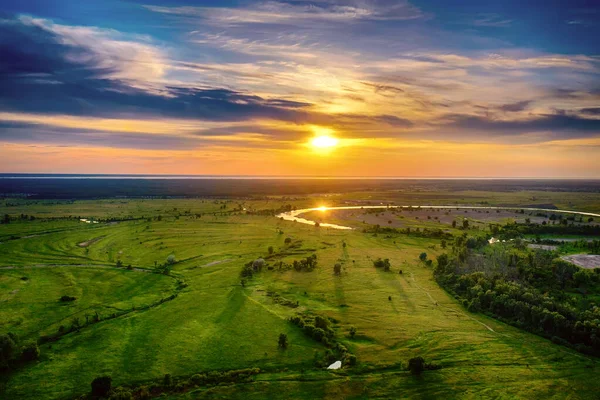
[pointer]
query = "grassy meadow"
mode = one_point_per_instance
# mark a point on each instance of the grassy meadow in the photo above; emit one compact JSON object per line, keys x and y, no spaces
{"x":214,"y":322}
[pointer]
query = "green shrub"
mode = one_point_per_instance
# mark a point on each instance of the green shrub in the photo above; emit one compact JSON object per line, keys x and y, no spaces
{"x":416,"y":365}
{"x":101,"y":386}
{"x":30,"y":352}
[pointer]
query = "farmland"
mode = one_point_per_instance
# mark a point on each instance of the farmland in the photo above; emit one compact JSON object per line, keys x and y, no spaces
{"x":200,"y":315}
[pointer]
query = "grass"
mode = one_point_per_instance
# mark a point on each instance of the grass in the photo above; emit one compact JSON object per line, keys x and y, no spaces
{"x":216,"y":324}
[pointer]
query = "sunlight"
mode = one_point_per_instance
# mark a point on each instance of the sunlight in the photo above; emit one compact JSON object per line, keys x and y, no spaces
{"x":322,"y":208}
{"x":324,"y":141}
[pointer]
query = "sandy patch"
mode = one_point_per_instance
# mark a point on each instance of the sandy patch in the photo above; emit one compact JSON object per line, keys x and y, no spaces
{"x":542,"y":246}
{"x":589,"y":261}
{"x":89,"y":242}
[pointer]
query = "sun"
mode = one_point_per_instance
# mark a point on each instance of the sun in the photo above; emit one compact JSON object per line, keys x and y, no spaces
{"x":324,"y":141}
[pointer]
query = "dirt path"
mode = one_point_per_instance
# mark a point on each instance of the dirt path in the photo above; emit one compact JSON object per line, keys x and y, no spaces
{"x":90,"y":242}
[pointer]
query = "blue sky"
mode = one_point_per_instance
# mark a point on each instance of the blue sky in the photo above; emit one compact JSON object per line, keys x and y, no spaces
{"x":508,"y":88}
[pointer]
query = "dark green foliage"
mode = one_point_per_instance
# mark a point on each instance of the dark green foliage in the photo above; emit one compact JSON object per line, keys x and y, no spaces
{"x":384,"y":264}
{"x":8,"y":349}
{"x":101,"y":386}
{"x":282,"y":342}
{"x":270,"y":249}
{"x":352,"y":332}
{"x":416,"y":365}
{"x":423,"y":257}
{"x":167,"y":380}
{"x":30,"y":351}
{"x":307,"y":264}
{"x":337,"y":269}
{"x":120,"y":394}
{"x":527,"y":289}
{"x":66,"y":298}
{"x":424,"y":233}
{"x":287,"y":240}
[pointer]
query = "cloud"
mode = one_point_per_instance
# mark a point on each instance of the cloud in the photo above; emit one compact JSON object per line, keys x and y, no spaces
{"x":558,"y":125}
{"x":515,"y":107}
{"x":54,"y":69}
{"x":296,"y":13}
{"x":105,"y":53}
{"x":591,"y":111}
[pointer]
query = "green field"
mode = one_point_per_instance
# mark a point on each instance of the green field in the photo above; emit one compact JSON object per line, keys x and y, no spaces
{"x":214,"y":323}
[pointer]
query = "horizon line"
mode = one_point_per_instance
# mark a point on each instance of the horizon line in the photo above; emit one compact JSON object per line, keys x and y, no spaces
{"x":29,"y":175}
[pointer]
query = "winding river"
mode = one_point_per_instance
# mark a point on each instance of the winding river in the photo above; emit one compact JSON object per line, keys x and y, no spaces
{"x":294,"y":215}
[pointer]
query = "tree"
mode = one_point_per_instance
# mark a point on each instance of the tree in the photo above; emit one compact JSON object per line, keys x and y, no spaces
{"x":443,"y":244}
{"x":101,"y":386}
{"x":8,"y":349}
{"x":30,"y":351}
{"x":454,"y":224}
{"x":270,"y":249}
{"x":416,"y":365}
{"x":258,"y":264}
{"x":283,"y":341}
{"x":465,"y":224}
{"x":352,"y":332}
{"x":423,"y":257}
{"x":337,"y":269}
{"x":287,"y":240}
{"x":171,"y":259}
{"x":168,"y":380}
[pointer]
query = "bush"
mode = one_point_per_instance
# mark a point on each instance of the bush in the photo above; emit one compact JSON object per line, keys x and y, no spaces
{"x":337,"y":269}
{"x":198,"y":379}
{"x":385,"y":264}
{"x":416,"y":365}
{"x":352,"y":331}
{"x":30,"y":352}
{"x":8,"y":349}
{"x":66,"y":298}
{"x":121,"y":394}
{"x":283,"y":341}
{"x":167,"y":380}
{"x":287,"y":240}
{"x":351,"y":359}
{"x":101,"y":386}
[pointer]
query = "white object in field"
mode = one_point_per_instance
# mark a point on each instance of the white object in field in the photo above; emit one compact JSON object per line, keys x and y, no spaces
{"x":335,"y":365}
{"x":493,"y":240}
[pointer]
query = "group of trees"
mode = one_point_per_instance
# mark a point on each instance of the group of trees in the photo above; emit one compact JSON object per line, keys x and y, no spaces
{"x":513,"y":230}
{"x":383,"y":264}
{"x":418,"y":232}
{"x":528,"y":289}
{"x":102,"y":387}
{"x":417,"y":365}
{"x":307,"y":264}
{"x":320,"y":329}
{"x":13,"y":352}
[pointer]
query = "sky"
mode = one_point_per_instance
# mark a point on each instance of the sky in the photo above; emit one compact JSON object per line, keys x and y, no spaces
{"x":426,"y":88}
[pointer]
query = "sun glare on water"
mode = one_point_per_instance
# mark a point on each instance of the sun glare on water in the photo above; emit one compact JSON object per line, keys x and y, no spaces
{"x":323,"y":142}
{"x":322,"y":208}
